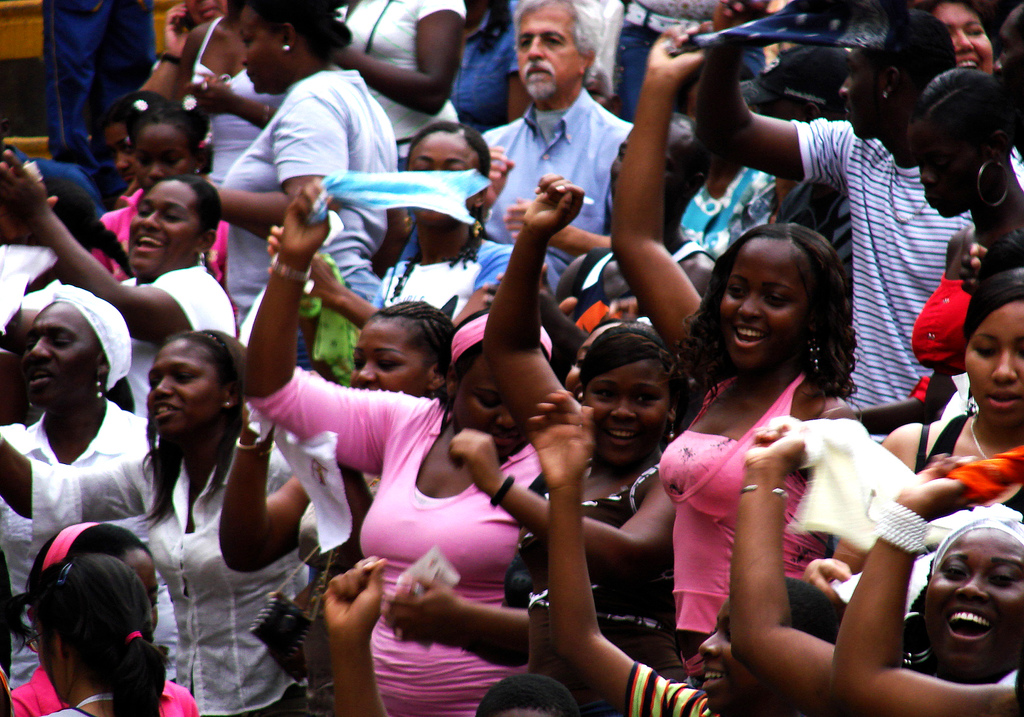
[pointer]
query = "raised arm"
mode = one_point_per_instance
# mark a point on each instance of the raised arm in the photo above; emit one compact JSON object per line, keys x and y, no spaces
{"x":663,"y":291}
{"x":867,"y":677}
{"x":426,"y":88}
{"x":564,"y":445}
{"x":796,"y":664}
{"x":512,"y":338}
{"x":351,"y":609}
{"x":257,"y":529}
{"x":638,"y":550}
{"x":277,"y":321}
{"x":151,"y":313}
{"x":729,"y":129}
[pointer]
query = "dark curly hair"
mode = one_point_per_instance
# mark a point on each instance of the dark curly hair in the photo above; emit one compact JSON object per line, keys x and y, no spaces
{"x":703,"y":353}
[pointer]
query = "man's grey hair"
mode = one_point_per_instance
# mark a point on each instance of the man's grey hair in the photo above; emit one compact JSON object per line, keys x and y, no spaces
{"x":587,"y":26}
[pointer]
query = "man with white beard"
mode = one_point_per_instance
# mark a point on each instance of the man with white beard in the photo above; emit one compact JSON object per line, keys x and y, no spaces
{"x":564,"y":131}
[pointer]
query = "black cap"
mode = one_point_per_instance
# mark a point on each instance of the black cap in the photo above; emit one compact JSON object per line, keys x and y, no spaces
{"x":802,"y":74}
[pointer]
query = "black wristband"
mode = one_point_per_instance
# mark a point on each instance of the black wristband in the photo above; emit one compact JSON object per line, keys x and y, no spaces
{"x":168,"y":57}
{"x":499,"y":495}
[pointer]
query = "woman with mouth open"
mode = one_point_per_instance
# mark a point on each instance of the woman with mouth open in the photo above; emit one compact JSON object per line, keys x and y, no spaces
{"x":438,"y":649}
{"x":195,"y":410}
{"x":771,"y":337}
{"x":171,"y":292}
{"x":629,"y":380}
{"x":978,"y":583}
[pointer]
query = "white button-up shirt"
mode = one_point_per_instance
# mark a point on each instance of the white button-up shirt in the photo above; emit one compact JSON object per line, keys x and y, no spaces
{"x":227,"y":668}
{"x":119,"y":432}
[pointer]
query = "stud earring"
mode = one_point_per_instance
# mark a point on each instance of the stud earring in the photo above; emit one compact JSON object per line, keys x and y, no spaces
{"x":885,"y":94}
{"x":286,"y":48}
{"x":99,"y":388}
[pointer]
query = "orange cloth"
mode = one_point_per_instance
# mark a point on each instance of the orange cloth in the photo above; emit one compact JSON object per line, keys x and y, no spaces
{"x":987,"y":479}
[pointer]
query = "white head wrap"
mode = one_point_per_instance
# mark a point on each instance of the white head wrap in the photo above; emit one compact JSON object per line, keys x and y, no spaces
{"x":108,"y":325}
{"x":993,"y":517}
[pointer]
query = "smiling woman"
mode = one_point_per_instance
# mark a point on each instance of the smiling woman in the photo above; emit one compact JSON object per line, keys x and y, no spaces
{"x":195,"y":418}
{"x":173,"y":291}
{"x":425,"y":487}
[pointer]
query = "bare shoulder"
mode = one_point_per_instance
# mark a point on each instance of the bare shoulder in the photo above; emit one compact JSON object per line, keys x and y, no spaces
{"x":904,"y":441}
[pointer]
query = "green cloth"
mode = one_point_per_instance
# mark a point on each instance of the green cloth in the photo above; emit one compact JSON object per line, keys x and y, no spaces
{"x":336,"y":336}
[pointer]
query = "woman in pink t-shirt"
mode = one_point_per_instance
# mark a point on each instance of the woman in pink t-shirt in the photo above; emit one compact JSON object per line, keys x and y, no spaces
{"x":438,"y":649}
{"x":771,"y":336}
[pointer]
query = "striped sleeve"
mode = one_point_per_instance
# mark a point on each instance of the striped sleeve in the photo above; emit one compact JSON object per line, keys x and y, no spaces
{"x":650,"y":695}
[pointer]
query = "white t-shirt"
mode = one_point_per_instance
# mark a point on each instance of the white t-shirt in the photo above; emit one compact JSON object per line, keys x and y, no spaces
{"x":437,"y":284}
{"x":206,"y":307}
{"x":899,"y":251}
{"x":389,"y":28}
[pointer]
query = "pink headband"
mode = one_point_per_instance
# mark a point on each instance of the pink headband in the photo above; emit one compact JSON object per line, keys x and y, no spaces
{"x":63,"y":542}
{"x":472,"y":332}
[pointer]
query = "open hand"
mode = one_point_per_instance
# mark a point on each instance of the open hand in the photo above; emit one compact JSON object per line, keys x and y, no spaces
{"x":562,"y":433}
{"x":22,"y":192}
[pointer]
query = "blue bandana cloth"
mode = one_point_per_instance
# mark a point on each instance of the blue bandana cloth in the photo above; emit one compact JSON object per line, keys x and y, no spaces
{"x":444,"y":192}
{"x":867,"y":24}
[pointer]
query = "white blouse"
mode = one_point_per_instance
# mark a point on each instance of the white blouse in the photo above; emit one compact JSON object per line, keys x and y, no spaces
{"x":227,"y":669}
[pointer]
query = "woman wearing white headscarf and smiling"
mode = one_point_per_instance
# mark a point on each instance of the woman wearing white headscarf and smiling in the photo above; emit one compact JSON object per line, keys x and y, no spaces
{"x":77,"y":349}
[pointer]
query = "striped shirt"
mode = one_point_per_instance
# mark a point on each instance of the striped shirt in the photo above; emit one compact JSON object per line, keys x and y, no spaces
{"x":650,"y":695}
{"x":899,"y":252}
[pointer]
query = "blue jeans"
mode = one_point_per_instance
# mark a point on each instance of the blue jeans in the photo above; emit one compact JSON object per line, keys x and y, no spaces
{"x":634,"y":46}
{"x":94,"y":52}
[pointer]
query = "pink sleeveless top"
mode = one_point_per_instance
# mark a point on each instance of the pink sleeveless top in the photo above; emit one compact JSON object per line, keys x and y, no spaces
{"x":703,"y":474}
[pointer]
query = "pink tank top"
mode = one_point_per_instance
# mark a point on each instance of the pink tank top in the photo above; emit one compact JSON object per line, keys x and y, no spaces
{"x":703,"y":474}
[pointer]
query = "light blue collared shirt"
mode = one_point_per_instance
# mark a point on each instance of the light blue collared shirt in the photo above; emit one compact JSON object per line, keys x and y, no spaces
{"x":585,"y":143}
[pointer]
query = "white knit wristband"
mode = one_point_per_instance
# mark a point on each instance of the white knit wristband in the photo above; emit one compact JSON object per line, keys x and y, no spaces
{"x":902,"y":528}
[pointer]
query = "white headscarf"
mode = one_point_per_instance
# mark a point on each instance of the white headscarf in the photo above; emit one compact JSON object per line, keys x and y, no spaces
{"x":108,"y":325}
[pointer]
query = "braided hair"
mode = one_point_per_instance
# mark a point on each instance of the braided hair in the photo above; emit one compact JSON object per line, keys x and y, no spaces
{"x":431,"y":329}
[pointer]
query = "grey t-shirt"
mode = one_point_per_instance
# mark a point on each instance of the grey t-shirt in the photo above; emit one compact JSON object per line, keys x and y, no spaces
{"x":328,"y":122}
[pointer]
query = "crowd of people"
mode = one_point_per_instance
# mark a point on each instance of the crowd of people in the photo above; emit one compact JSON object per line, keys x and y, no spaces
{"x":272,"y":450}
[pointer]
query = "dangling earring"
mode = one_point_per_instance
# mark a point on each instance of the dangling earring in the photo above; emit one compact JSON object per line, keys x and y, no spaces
{"x":885,"y":94}
{"x":814,"y":354}
{"x":478,"y":229}
{"x":201,"y":260}
{"x":1006,"y":183}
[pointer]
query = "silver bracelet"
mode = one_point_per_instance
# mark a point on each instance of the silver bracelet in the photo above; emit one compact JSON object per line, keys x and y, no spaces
{"x":286,"y":272}
{"x":902,"y":528}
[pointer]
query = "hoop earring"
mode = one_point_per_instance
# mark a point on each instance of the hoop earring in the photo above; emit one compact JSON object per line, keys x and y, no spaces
{"x":914,"y":627}
{"x":1006,"y":183}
